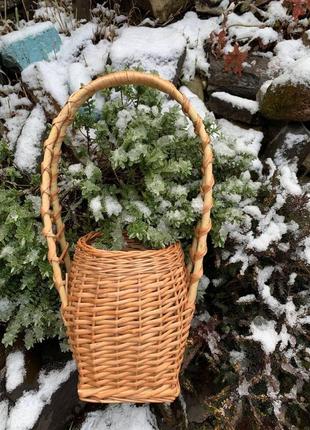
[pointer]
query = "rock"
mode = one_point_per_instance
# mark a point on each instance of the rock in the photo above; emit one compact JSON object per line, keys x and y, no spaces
{"x":306,"y":170}
{"x":196,"y":394}
{"x":171,"y":416}
{"x":163,"y":9}
{"x":136,"y":48}
{"x":196,"y":86}
{"x":286,"y":101}
{"x":209,"y":7}
{"x":247,"y":85}
{"x":29,"y":45}
{"x":287,"y":142}
{"x":234,"y":108}
{"x":287,"y":97}
{"x":306,"y":38}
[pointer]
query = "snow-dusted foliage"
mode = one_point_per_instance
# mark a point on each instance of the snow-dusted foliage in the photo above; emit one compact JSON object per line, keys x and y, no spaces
{"x":258,"y":331}
{"x":141,"y":169}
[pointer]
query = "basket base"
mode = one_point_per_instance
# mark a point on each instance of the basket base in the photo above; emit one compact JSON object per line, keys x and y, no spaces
{"x":101,"y":397}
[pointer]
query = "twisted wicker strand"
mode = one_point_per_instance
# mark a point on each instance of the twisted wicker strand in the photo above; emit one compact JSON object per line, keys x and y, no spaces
{"x":50,"y":207}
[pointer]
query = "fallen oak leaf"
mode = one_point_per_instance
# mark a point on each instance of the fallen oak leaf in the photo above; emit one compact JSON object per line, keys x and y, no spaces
{"x":218,"y":42}
{"x":233,"y":60}
{"x":300,"y":8}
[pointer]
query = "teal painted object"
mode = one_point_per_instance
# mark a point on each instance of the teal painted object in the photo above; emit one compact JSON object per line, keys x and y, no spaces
{"x":34,"y":43}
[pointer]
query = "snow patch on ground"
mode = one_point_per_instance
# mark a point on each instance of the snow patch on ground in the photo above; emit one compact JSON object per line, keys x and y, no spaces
{"x":28,"y":145}
{"x":121,"y":417}
{"x":246,"y":140}
{"x":291,"y":63}
{"x":27,"y":409}
{"x":15,"y":370}
{"x":247,"y":26}
{"x":264,"y":332}
{"x":249,"y":298}
{"x":196,"y":103}
{"x":4,"y":410}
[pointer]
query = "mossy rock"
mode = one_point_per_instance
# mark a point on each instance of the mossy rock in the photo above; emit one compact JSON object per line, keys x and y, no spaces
{"x":286,"y":102}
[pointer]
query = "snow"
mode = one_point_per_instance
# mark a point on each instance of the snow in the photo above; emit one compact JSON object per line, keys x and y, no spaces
{"x":246,"y":140}
{"x":289,"y":181}
{"x":25,"y":32}
{"x":146,"y":211}
{"x":196,"y":31}
{"x":287,"y":52}
{"x":78,"y":75}
{"x":195,"y":101}
{"x":96,"y":56}
{"x":290,"y":310}
{"x":27,"y":408}
{"x":14,"y":112}
{"x":75,"y":168}
{"x":263,"y":275}
{"x":124,"y":116}
{"x":51,"y":76}
{"x":121,"y":417}
{"x":112,"y":206}
{"x":197,"y":204}
{"x":305,"y":253}
{"x":299,"y":74}
{"x":89,"y":170}
{"x":254,"y":211}
{"x":96,"y":207}
{"x":237,"y":102}
{"x":243,"y":389}
{"x":4,"y":410}
{"x":291,"y":140}
{"x":57,"y":76}
{"x":204,"y":282}
{"x":73,"y":44}
{"x":249,"y":298}
{"x":263,"y":331}
{"x":5,"y":304}
{"x":273,"y":232}
{"x":263,"y":89}
{"x":236,"y":357}
{"x":28,"y":146}
{"x":148,"y":48}
{"x":292,"y":278}
{"x":247,"y":26}
{"x":276,"y":12}
{"x":15,"y":370}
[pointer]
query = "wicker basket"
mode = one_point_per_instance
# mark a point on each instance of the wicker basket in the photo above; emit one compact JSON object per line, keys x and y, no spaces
{"x":127,"y":312}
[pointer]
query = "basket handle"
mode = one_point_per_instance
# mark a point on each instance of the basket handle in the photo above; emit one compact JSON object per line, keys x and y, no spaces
{"x":50,"y":205}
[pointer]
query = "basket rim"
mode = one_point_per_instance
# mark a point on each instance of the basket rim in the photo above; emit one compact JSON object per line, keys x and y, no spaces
{"x":83,"y":243}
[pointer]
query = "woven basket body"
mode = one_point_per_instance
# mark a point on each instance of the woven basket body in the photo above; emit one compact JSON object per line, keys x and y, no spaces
{"x":127,"y":312}
{"x":127,"y":320}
